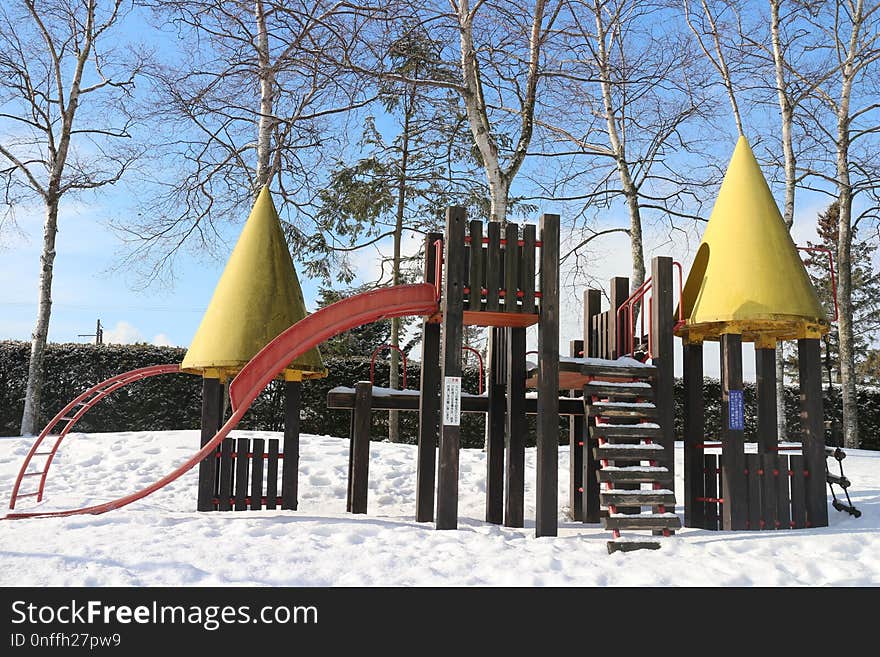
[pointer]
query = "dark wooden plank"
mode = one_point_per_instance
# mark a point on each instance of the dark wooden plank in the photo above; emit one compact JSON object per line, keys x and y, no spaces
{"x":469,"y":403}
{"x":635,"y":432}
{"x":641,"y":522}
{"x":631,"y":546}
{"x":290,"y":467}
{"x":592,"y":308}
{"x":635,"y":391}
{"x":350,"y":457}
{"x":429,"y":401}
{"x":643,"y":497}
{"x":495,"y":422}
{"x":527,"y":268}
{"x":547,"y":439}
{"x":770,"y":466}
{"x":663,"y":355}
{"x":632,"y":476}
{"x":617,"y":452}
{"x":694,"y":436}
{"x":604,"y":340}
{"x":515,"y":429}
{"x":591,"y":469}
{"x":575,"y":450}
{"x":511,"y":267}
{"x":360,"y":466}
{"x":450,"y":433}
{"x":783,"y":504}
{"x":242,"y":446}
{"x":812,"y":424}
{"x":272,"y":474}
{"x":765,"y":375}
{"x":633,"y":410}
{"x":798,"y":491}
{"x":212,"y":419}
{"x":710,"y":486}
{"x":258,"y":449}
{"x":619,"y":292}
{"x":476,"y":266}
{"x":226,"y":470}
{"x":733,"y":446}
{"x":493,"y":266}
{"x":753,"y":489}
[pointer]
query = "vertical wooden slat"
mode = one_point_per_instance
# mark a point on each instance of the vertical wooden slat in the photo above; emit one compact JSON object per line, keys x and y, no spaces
{"x":592,"y":308}
{"x":290,"y":467}
{"x":663,"y":356}
{"x":547,"y":421}
{"x":242,"y":446}
{"x":733,"y":440}
{"x":812,"y":424}
{"x":783,"y":505}
{"x":212,"y":416}
{"x":450,"y":434}
{"x":710,"y":485}
{"x":225,"y":491}
{"x":511,"y":267}
{"x":591,"y":468}
{"x":619,"y":293}
{"x":272,"y":474}
{"x":515,"y":428}
{"x":360,"y":466}
{"x":527,"y":268}
{"x":694,"y":435}
{"x":765,"y":374}
{"x":493,"y":265}
{"x":603,"y":335}
{"x":798,"y":491}
{"x":770,"y":466}
{"x":496,"y":388}
{"x":257,"y":447}
{"x":753,"y":488}
{"x":719,"y":488}
{"x":476,"y":265}
{"x":350,"y":461}
{"x":575,"y":450}
{"x":429,"y":400}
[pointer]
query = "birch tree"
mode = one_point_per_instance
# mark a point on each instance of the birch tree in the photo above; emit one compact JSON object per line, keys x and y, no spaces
{"x":64,"y":126}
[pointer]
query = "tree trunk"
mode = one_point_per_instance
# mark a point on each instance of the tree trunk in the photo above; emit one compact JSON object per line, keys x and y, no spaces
{"x":844,"y":300}
{"x":267,"y":84}
{"x":31,"y":416}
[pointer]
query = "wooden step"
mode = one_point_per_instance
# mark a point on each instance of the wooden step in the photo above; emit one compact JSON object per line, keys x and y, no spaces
{"x":643,"y":521}
{"x":637,"y":452}
{"x":843,"y":482}
{"x":635,"y":474}
{"x":631,"y":410}
{"x":631,"y":546}
{"x":616,"y":497}
{"x":626,"y":431}
{"x":637,"y":389}
{"x":611,"y":369}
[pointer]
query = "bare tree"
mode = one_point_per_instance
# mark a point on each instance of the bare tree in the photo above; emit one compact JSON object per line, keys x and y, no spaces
{"x":63,"y":125}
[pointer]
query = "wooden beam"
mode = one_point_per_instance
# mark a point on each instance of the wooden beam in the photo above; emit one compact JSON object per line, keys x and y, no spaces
{"x":765,"y":373}
{"x":450,"y":432}
{"x":732,"y":435}
{"x":495,"y":422}
{"x":694,"y":436}
{"x":619,"y":293}
{"x":812,"y":424}
{"x":663,"y":354}
{"x":212,"y":420}
{"x":290,"y":467}
{"x":515,"y":429}
{"x":547,"y":470}
{"x":360,"y":464}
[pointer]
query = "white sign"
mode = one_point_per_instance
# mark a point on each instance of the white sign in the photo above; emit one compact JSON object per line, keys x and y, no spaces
{"x":451,"y":400}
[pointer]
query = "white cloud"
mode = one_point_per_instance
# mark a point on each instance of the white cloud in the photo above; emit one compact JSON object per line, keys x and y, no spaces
{"x":123,"y":333}
{"x":162,"y":340}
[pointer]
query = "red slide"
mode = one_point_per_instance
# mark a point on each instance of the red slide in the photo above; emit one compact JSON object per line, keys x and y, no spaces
{"x":398,"y":301}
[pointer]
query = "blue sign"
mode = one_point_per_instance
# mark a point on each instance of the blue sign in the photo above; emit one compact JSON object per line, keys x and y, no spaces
{"x":735,"y":413}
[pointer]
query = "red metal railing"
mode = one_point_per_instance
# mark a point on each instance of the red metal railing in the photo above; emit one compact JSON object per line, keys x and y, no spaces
{"x":626,"y":310}
{"x":375,"y":353}
{"x":480,"y":362}
{"x":827,"y":252}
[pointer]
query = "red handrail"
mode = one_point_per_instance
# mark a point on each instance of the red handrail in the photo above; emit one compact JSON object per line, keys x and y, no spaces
{"x":373,"y":361}
{"x":639,"y":294}
{"x":480,"y":361}
{"x":827,"y":252}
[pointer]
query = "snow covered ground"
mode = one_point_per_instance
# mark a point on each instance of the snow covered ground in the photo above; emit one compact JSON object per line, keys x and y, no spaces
{"x":162,"y":541}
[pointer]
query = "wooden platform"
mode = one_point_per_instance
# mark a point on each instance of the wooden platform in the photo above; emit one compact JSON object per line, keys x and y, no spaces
{"x":574,"y":373}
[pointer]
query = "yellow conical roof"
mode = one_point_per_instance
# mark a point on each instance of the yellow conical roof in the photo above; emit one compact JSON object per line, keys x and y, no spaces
{"x":747,"y":277}
{"x":258,"y":296}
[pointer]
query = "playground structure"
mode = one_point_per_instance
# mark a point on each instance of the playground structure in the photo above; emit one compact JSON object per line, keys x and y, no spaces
{"x":619,"y":378}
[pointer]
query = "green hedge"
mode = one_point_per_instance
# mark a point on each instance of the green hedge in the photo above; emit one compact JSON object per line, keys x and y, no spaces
{"x":174,"y":401}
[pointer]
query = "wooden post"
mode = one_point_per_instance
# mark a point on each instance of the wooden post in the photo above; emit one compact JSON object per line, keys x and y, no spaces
{"x":576,"y":442}
{"x":694,"y":435}
{"x":272,"y":474}
{"x":592,"y":308}
{"x":224,"y":494}
{"x":591,"y":506}
{"x":735,"y":509}
{"x":242,"y":446}
{"x":810,"y":370}
{"x":511,"y":267}
{"x":710,"y":474}
{"x":619,"y":293}
{"x":495,"y":423}
{"x":477,"y":265}
{"x":547,"y":422}
{"x":257,"y":447}
{"x":765,"y":371}
{"x":290,"y":467}
{"x":450,"y":432}
{"x":429,"y":400}
{"x":663,"y":356}
{"x":360,"y":465}
{"x":527,"y":268}
{"x":770,"y":466}
{"x":515,"y":428}
{"x":493,"y":265}
{"x":212,"y":420}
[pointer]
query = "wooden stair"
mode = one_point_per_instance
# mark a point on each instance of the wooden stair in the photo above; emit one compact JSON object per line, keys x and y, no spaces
{"x":638,"y":487}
